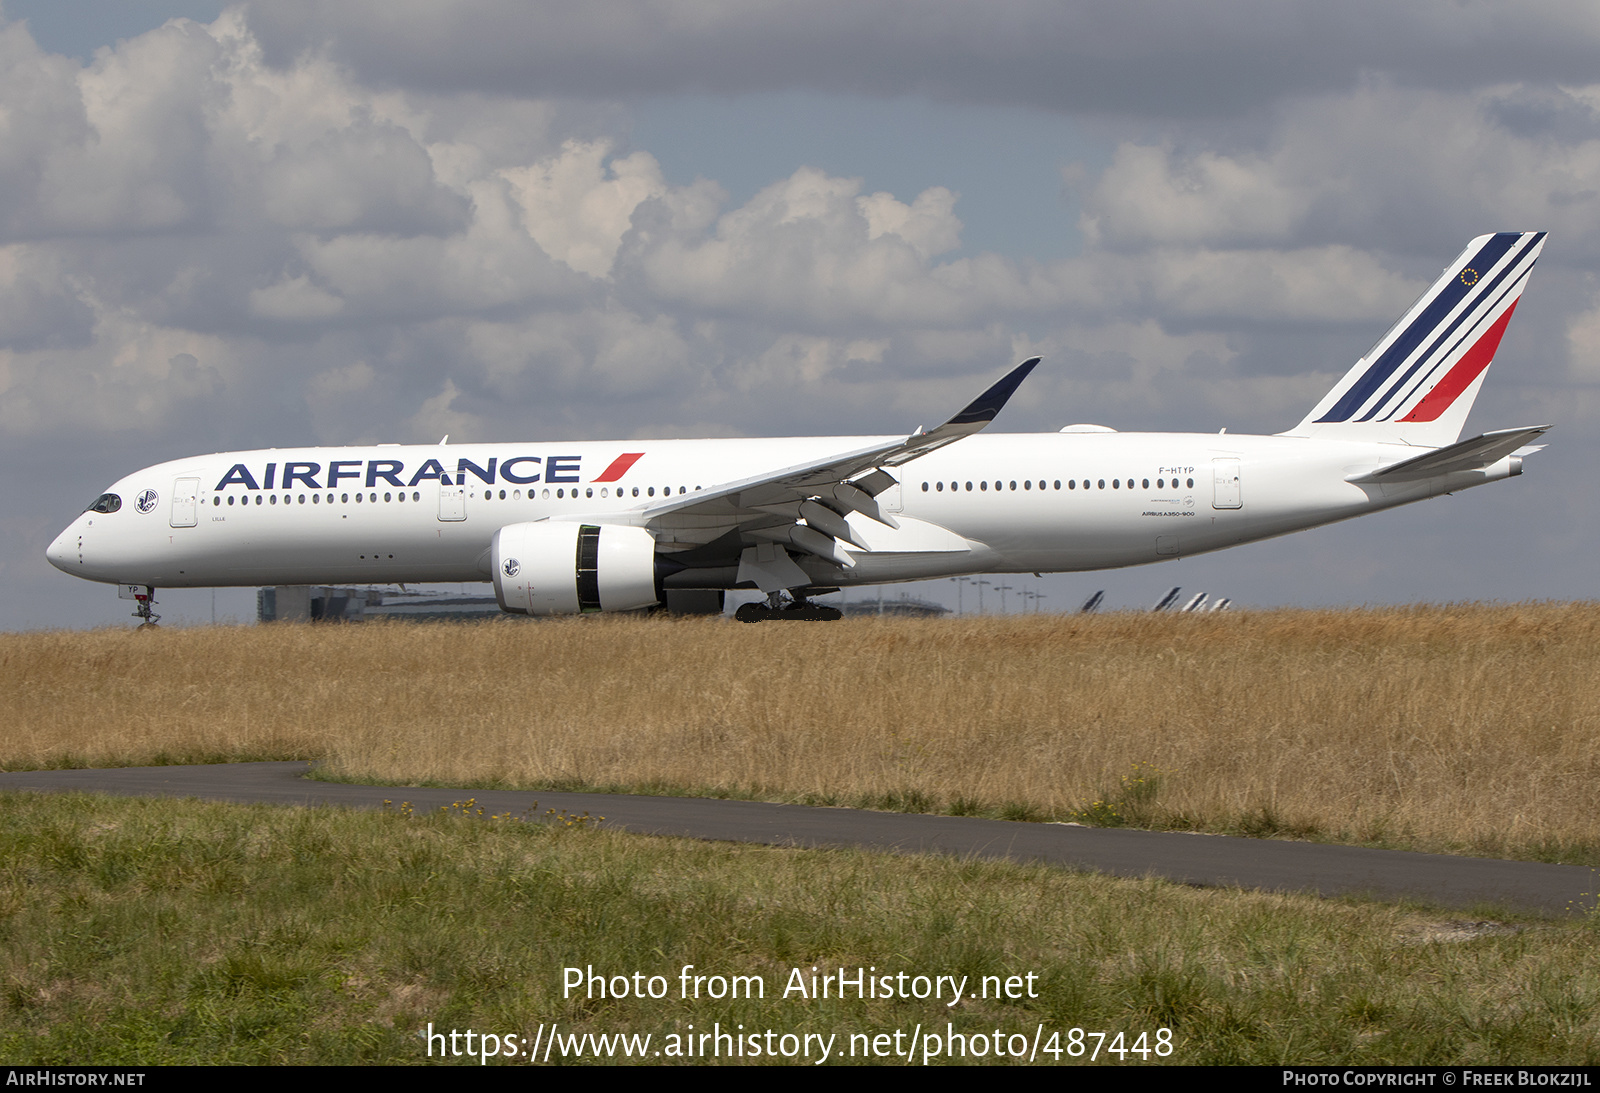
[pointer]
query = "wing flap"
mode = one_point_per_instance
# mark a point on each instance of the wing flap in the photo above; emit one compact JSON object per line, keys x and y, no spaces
{"x":911,"y":537}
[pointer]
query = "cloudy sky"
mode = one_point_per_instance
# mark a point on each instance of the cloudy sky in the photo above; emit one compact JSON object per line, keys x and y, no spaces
{"x":301,"y":222}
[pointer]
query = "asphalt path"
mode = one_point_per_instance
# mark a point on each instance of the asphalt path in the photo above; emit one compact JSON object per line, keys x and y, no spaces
{"x":1202,"y":860}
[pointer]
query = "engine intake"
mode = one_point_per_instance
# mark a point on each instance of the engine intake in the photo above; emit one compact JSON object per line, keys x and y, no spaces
{"x":553,"y":568}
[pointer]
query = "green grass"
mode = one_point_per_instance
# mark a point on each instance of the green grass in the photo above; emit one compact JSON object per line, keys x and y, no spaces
{"x":146,"y":932}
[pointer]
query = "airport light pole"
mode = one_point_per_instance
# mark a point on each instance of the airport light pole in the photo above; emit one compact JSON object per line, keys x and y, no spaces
{"x":959,"y":582}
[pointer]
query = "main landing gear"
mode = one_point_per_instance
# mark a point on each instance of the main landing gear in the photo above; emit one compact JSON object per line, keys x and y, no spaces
{"x":783,"y":607}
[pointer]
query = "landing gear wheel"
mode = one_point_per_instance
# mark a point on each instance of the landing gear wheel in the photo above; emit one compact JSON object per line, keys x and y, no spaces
{"x":143,"y":602}
{"x":780,"y":607}
{"x":806,"y":611}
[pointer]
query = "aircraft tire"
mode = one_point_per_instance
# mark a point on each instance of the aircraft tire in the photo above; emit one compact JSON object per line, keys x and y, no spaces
{"x":753,"y":612}
{"x":800,"y":612}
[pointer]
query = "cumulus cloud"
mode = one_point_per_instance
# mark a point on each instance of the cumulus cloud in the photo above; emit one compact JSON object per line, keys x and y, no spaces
{"x":294,"y":298}
{"x":461,"y":261}
{"x":1407,"y":169}
{"x":809,"y":249}
{"x":577,"y":206}
{"x":297,"y":214}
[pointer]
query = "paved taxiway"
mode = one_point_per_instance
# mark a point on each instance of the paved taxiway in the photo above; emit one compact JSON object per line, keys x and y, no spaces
{"x":1208,"y":860}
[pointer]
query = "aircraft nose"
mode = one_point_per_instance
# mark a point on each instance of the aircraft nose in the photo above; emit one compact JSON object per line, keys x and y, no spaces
{"x":63,"y":553}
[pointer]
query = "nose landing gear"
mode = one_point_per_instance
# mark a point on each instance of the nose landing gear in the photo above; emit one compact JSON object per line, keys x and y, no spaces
{"x":143,"y":602}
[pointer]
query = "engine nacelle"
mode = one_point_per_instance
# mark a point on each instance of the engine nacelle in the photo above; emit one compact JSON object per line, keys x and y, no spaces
{"x":555,"y":568}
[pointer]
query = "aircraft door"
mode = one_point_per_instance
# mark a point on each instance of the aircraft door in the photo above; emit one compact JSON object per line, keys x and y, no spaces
{"x":452,"y":503}
{"x":185,"y":502}
{"x":1225,"y":478}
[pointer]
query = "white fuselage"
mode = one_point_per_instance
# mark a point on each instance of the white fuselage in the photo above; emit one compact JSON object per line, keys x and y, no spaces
{"x":990,"y":503}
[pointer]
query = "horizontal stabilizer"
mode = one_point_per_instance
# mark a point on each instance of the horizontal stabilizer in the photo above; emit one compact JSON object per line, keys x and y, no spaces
{"x":1467,"y":455}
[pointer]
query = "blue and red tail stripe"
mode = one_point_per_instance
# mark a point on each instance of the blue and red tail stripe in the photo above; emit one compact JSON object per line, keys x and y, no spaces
{"x":1442,"y":319}
{"x":1467,"y":369}
{"x":1509,"y":282}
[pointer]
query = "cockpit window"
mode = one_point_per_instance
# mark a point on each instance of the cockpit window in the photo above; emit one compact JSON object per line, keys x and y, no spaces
{"x":106,"y":502}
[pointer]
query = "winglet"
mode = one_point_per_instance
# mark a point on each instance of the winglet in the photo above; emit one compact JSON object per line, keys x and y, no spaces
{"x":984,"y":408}
{"x":974,"y":417}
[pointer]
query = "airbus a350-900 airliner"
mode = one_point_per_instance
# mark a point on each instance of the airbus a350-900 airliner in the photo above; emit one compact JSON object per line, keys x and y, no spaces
{"x":570,"y":527}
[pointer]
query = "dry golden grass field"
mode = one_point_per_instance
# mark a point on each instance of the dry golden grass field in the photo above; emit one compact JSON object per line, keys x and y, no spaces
{"x":1471,"y":729}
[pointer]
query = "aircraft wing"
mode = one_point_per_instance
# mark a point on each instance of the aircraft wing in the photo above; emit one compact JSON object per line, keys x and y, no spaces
{"x":1466,"y":455}
{"x":804,"y":506}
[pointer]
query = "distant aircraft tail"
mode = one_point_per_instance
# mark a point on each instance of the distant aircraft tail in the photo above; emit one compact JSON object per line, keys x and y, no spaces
{"x":1418,"y":383}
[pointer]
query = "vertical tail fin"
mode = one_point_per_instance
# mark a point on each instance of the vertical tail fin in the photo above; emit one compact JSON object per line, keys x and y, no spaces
{"x":1418,"y":383}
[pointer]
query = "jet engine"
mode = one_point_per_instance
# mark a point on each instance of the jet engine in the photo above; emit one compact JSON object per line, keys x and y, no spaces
{"x":555,"y":568}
